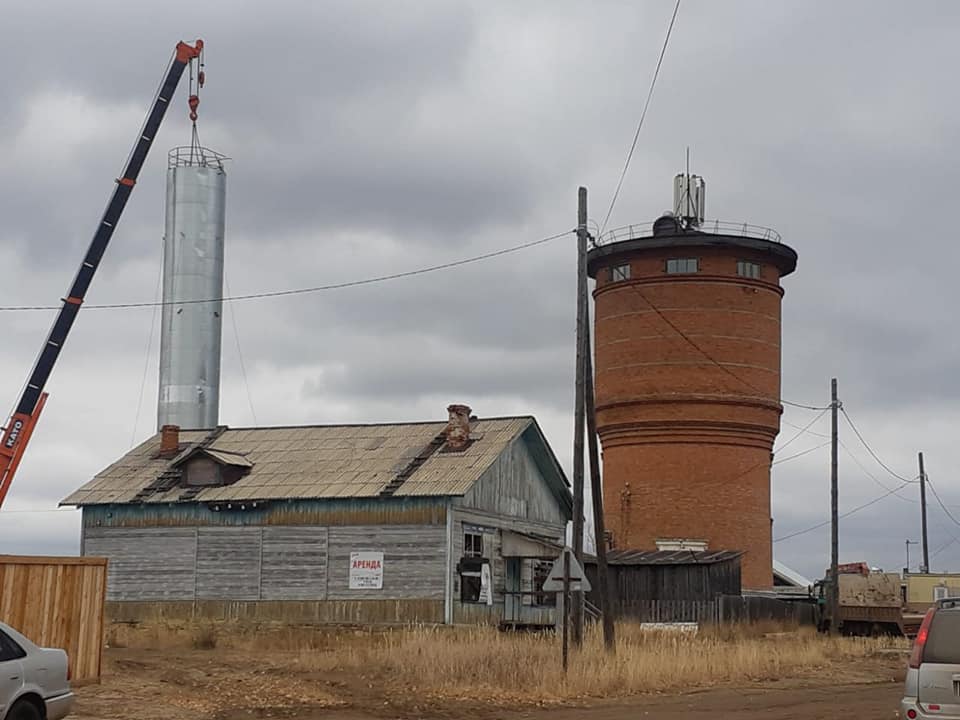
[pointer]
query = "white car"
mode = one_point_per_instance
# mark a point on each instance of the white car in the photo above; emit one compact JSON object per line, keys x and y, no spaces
{"x":34,"y":681}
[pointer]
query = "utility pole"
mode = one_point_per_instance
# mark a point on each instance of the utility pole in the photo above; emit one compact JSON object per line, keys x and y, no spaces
{"x":576,"y":606}
{"x":834,"y":519}
{"x":596,"y":489}
{"x":923,"y":515}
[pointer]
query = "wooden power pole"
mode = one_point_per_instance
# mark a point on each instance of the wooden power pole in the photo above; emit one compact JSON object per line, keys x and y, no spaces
{"x":923,"y":515}
{"x":576,"y":605}
{"x":596,"y":490}
{"x":834,"y":515}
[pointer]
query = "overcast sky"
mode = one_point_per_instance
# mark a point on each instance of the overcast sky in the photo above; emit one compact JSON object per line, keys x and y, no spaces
{"x":370,"y":138}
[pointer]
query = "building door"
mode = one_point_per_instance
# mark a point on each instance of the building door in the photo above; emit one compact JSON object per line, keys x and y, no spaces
{"x":511,"y":597}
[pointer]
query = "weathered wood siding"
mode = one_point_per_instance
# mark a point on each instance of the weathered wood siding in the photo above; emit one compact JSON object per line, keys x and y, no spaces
{"x":270,"y":563}
{"x":514,"y":487}
{"x":493,"y":526}
{"x":413,"y":560}
{"x":294,"y":563}
{"x":228,"y":563}
{"x":57,"y":602}
{"x":328,"y":512}
{"x":636,"y":586}
{"x":302,"y":612}
{"x":154,"y":563}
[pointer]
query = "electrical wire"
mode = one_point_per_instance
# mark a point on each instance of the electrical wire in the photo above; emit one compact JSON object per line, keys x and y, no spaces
{"x":802,"y":430}
{"x":798,"y":427}
{"x":940,"y":502}
{"x":243,"y":366}
{"x":146,"y":359}
{"x":871,"y":475}
{"x":643,"y":115}
{"x":709,"y":357}
{"x":307,"y":290}
{"x":882,"y":464}
{"x":800,"y":454}
{"x":848,"y":513}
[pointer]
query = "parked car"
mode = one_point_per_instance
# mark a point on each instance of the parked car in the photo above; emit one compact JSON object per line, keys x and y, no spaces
{"x":932,"y":688}
{"x":34,"y":681}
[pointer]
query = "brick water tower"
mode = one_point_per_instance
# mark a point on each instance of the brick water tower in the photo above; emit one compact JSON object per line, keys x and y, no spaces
{"x":688,"y":380}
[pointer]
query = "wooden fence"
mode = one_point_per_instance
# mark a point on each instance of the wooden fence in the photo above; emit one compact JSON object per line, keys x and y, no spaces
{"x":58,"y":602}
{"x":724,"y":609}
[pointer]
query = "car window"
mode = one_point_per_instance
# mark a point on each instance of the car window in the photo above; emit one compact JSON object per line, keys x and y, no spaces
{"x":9,"y":650}
{"x":943,"y":642}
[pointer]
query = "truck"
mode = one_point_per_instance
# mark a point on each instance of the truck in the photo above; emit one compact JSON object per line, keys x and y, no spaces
{"x":870,"y":601}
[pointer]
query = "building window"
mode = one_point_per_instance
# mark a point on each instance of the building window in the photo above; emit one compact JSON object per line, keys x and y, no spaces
{"x":470,"y":586}
{"x":541,"y":569}
{"x":473,"y":545}
{"x":618,"y":273}
{"x":476,"y":580}
{"x":683,"y":265}
{"x":748,"y":269}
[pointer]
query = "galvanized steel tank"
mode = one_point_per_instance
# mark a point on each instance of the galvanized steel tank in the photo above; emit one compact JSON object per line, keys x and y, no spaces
{"x":192,"y":270}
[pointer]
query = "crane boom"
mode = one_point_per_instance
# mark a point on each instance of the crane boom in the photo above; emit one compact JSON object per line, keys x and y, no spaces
{"x":20,"y":426}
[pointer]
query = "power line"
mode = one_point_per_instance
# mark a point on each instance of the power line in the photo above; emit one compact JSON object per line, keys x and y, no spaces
{"x":803,"y":430}
{"x":643,"y":115}
{"x":308,"y":290}
{"x":712,"y":359}
{"x":940,"y":502}
{"x":882,"y":464}
{"x":870,"y":474}
{"x":798,"y":427}
{"x":38,"y":512}
{"x":146,"y":359}
{"x":801,"y":454}
{"x":842,"y":515}
{"x":243,"y":366}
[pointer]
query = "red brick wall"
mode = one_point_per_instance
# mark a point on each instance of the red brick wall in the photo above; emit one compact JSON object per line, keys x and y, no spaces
{"x":687,"y":444}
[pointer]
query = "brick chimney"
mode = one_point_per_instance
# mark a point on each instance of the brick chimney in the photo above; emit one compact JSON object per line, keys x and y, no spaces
{"x":169,"y":440}
{"x":458,"y":427}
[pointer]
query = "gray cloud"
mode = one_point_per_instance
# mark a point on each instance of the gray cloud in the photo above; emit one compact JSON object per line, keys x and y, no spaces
{"x":371,"y":138}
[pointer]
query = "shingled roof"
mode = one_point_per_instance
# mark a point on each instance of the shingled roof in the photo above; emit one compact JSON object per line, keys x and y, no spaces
{"x":325,"y":461}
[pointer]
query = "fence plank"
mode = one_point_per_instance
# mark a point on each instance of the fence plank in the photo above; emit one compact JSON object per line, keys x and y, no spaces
{"x":57,"y":602}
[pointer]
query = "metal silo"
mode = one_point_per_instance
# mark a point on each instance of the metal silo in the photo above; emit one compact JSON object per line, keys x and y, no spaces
{"x":192,"y":271}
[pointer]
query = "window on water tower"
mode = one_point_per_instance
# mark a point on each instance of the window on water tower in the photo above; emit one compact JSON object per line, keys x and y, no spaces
{"x":748,"y":269}
{"x":676,"y":266}
{"x":619,"y":273}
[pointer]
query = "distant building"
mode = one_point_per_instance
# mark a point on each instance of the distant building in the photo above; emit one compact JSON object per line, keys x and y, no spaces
{"x":921,"y":590}
{"x":441,"y":522}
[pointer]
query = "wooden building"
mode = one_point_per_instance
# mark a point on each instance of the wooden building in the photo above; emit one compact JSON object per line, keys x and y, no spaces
{"x":668,"y":585}
{"x":438,"y":522}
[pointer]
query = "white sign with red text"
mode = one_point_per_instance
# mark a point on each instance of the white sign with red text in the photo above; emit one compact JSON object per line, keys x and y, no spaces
{"x":366,"y":571}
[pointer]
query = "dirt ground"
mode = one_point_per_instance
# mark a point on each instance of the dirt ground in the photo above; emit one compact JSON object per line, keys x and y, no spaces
{"x":233,"y":685}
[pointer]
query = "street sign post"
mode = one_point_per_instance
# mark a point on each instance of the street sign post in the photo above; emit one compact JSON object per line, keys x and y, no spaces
{"x":566,"y":574}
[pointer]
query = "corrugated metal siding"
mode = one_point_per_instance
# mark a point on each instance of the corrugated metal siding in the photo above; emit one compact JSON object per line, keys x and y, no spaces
{"x":294,"y":563}
{"x":146,"y":563}
{"x":319,"y":513}
{"x":228,"y":563}
{"x":514,"y":486}
{"x":413,"y":561}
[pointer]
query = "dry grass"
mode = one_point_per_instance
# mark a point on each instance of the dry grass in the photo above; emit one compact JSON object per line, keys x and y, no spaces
{"x":473,"y":663}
